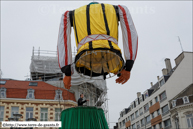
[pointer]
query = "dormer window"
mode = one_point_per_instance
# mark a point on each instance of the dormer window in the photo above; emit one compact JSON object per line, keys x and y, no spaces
{"x":3,"y":92}
{"x":146,"y":95}
{"x":30,"y":94}
{"x":33,"y":84}
{"x":173,"y":103}
{"x":58,"y":95}
{"x":185,"y":99}
{"x":2,"y":82}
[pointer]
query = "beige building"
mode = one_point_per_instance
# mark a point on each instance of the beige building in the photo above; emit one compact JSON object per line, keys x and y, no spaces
{"x":153,"y":109}
{"x":33,"y":99}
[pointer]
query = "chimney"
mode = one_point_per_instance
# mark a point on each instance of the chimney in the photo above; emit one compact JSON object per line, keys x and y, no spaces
{"x":168,"y":65}
{"x":151,"y":83}
{"x":164,"y":72}
{"x":138,"y":94}
{"x":158,"y":78}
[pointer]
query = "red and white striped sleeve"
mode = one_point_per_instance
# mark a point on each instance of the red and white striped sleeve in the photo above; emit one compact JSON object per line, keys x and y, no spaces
{"x":64,"y":45}
{"x":130,"y":37}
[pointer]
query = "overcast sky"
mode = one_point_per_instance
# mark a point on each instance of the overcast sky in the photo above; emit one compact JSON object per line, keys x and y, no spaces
{"x":25,"y":24}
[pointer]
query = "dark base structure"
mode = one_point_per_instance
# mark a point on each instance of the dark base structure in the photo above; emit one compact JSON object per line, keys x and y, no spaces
{"x":83,"y":118}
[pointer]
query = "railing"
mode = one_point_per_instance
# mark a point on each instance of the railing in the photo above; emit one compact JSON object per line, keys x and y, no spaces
{"x":163,"y":99}
{"x":163,"y":114}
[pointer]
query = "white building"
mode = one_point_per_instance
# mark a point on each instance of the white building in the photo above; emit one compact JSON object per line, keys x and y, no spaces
{"x":152,"y":108}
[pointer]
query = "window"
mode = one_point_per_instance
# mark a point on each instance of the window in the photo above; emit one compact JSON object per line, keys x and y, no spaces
{"x":137,"y":102}
{"x":165,"y":110}
{"x":33,"y":84}
{"x":146,"y":95}
{"x":128,"y":118}
{"x":133,"y":126}
{"x":58,"y":95}
{"x":173,"y":103}
{"x":162,"y":82}
{"x":146,"y":107}
{"x":142,"y":122}
{"x":160,"y":125}
{"x":158,"y":112}
{"x":1,"y":113}
{"x":153,"y":115}
{"x":123,"y":122}
{"x":185,"y":99}
{"x":162,"y":96}
{"x":14,"y":110}
{"x":138,"y":125}
{"x":167,"y":123}
{"x":150,"y":103}
{"x":140,"y":99}
{"x":2,"y":82}
{"x":156,"y":99}
{"x":3,"y":92}
{"x":154,"y":127}
{"x":189,"y":118}
{"x":141,"y":111}
{"x":136,"y":114}
{"x":148,"y":119}
{"x":132,"y":117}
{"x":44,"y":114}
{"x":29,"y":112}
{"x":30,"y":94}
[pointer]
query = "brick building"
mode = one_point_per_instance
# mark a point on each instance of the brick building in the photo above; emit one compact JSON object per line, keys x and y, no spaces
{"x":33,"y":99}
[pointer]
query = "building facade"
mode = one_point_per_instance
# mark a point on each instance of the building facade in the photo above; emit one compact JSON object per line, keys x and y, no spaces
{"x":152,"y":109}
{"x":33,"y":99}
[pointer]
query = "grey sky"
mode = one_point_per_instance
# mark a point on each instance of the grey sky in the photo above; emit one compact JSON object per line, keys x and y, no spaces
{"x":33,"y":23}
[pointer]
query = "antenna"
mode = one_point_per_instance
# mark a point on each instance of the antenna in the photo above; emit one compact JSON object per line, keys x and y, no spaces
{"x":180,"y":43}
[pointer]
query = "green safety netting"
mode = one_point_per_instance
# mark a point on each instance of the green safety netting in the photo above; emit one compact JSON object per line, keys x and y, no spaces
{"x":83,"y":118}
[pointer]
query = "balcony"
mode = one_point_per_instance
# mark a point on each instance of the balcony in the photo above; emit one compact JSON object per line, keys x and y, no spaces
{"x":154,"y":107}
{"x":163,"y":99}
{"x":128,"y":123}
{"x":165,"y":113}
{"x":156,"y":120}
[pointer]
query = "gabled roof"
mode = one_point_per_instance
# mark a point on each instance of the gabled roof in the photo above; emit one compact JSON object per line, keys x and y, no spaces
{"x":18,"y":89}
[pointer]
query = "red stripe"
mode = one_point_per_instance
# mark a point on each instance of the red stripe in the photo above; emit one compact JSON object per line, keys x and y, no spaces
{"x":128,"y":31}
{"x":65,"y":38}
{"x":136,"y":49}
{"x":58,"y":58}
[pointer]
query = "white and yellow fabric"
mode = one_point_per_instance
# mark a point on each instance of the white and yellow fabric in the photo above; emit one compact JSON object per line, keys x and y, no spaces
{"x":96,"y":34}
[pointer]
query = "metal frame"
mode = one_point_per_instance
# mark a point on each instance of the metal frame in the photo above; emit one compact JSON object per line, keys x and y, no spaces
{"x":110,"y":75}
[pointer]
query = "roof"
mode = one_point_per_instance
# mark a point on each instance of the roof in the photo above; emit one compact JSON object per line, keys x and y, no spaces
{"x":18,"y":89}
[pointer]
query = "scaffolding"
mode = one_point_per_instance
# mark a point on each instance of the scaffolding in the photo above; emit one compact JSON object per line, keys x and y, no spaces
{"x":44,"y":67}
{"x":96,"y":97}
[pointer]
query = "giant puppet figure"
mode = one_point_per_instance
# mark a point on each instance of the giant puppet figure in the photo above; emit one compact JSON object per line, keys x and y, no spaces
{"x":96,"y":35}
